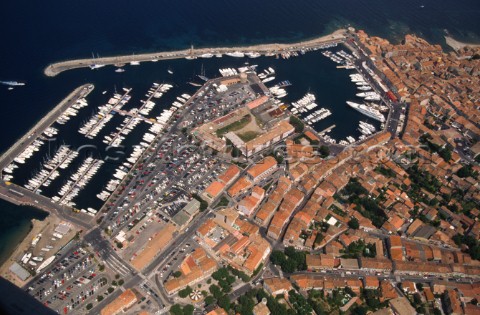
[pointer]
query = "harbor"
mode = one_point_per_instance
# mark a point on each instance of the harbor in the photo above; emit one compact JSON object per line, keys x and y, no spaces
{"x":193,"y":53}
{"x":132,"y":120}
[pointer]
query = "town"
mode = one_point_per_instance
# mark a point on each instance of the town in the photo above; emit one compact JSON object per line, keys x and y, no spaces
{"x":236,"y":205}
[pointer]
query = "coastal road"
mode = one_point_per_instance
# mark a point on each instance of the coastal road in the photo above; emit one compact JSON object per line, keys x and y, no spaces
{"x":21,"y":196}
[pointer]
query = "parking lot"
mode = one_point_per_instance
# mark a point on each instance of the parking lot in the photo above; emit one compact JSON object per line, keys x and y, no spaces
{"x":70,"y":284}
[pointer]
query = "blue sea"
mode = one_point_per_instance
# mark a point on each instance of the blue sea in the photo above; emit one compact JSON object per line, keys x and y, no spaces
{"x":36,"y":33}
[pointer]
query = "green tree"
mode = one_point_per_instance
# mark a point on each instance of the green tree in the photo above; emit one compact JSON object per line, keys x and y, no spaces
{"x":89,"y":306}
{"x":188,"y":309}
{"x":185,"y":292}
{"x":176,"y":310}
{"x":297,"y":124}
{"x":353,"y":223}
{"x":177,"y":274}
{"x":277,"y":257}
{"x":224,"y":302}
{"x":324,"y":151}
{"x":99,"y":298}
{"x":209,"y":300}
{"x":110,"y":290}
{"x":215,"y":291}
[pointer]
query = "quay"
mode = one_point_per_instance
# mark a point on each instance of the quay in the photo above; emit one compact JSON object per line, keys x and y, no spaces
{"x":334,"y":38}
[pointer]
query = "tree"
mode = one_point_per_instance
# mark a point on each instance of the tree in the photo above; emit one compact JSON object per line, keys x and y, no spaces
{"x":215,"y":291}
{"x":297,"y":124}
{"x":236,"y":152}
{"x":324,"y":151}
{"x":176,"y":310}
{"x":353,"y":224}
{"x":110,"y":290}
{"x":89,"y":306}
{"x":224,"y":302}
{"x":188,"y":309}
{"x":99,"y":298}
{"x":117,"y":276}
{"x":177,"y":274}
{"x":185,"y":292}
{"x":120,"y":282}
{"x":245,"y":305}
{"x":419,"y":286}
{"x":209,"y":300}
{"x":277,"y":257}
{"x":289,"y":266}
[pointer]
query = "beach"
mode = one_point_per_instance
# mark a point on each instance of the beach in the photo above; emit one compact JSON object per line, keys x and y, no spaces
{"x":457,"y":45}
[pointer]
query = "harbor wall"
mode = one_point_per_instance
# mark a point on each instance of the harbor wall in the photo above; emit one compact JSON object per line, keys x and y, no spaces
{"x":56,"y":68}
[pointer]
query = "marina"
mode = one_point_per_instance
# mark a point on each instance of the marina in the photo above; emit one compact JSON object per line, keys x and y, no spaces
{"x":133,"y":120}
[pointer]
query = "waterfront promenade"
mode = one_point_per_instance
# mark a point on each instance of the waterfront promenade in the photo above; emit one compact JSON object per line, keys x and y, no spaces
{"x":58,"y":67}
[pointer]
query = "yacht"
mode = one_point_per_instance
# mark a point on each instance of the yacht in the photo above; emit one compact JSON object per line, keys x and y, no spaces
{"x":370,"y":112}
{"x":236,"y":54}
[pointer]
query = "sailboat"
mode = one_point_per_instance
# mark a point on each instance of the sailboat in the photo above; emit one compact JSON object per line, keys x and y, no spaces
{"x":133,"y":62}
{"x":202,"y":74}
{"x":94,"y":66}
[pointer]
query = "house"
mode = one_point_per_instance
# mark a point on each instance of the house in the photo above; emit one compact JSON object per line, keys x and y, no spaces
{"x":121,"y":303}
{"x":262,"y":169}
{"x":277,"y":286}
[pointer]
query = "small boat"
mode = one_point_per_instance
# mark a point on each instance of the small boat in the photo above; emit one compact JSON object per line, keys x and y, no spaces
{"x":104,"y":92}
{"x":120,"y":70}
{"x":170,"y":71}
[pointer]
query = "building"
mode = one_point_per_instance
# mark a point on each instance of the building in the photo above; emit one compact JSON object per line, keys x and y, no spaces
{"x":240,"y":186}
{"x":213,"y":190}
{"x":451,"y":300}
{"x":261,"y":308}
{"x":277,"y":133}
{"x":218,"y":311}
{"x":196,"y":267}
{"x":249,"y":204}
{"x":230,"y":175}
{"x":120,"y":304}
{"x":262,"y":169}
{"x":401,"y":306}
{"x":277,"y":286}
{"x":185,"y":216}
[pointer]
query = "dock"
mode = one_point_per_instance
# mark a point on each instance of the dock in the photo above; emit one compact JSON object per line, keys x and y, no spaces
{"x":265,"y":49}
{"x":28,"y":138}
{"x":327,"y":129}
{"x":22,"y":196}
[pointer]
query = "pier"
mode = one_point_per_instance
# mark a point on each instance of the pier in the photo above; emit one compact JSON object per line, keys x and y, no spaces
{"x":28,"y":138}
{"x":335,"y":37}
{"x":327,"y":129}
{"x":22,"y":196}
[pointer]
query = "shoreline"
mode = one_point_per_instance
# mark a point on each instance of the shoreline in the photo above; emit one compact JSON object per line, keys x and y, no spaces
{"x":36,"y":227}
{"x":59,"y":67}
{"x":457,"y":45}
